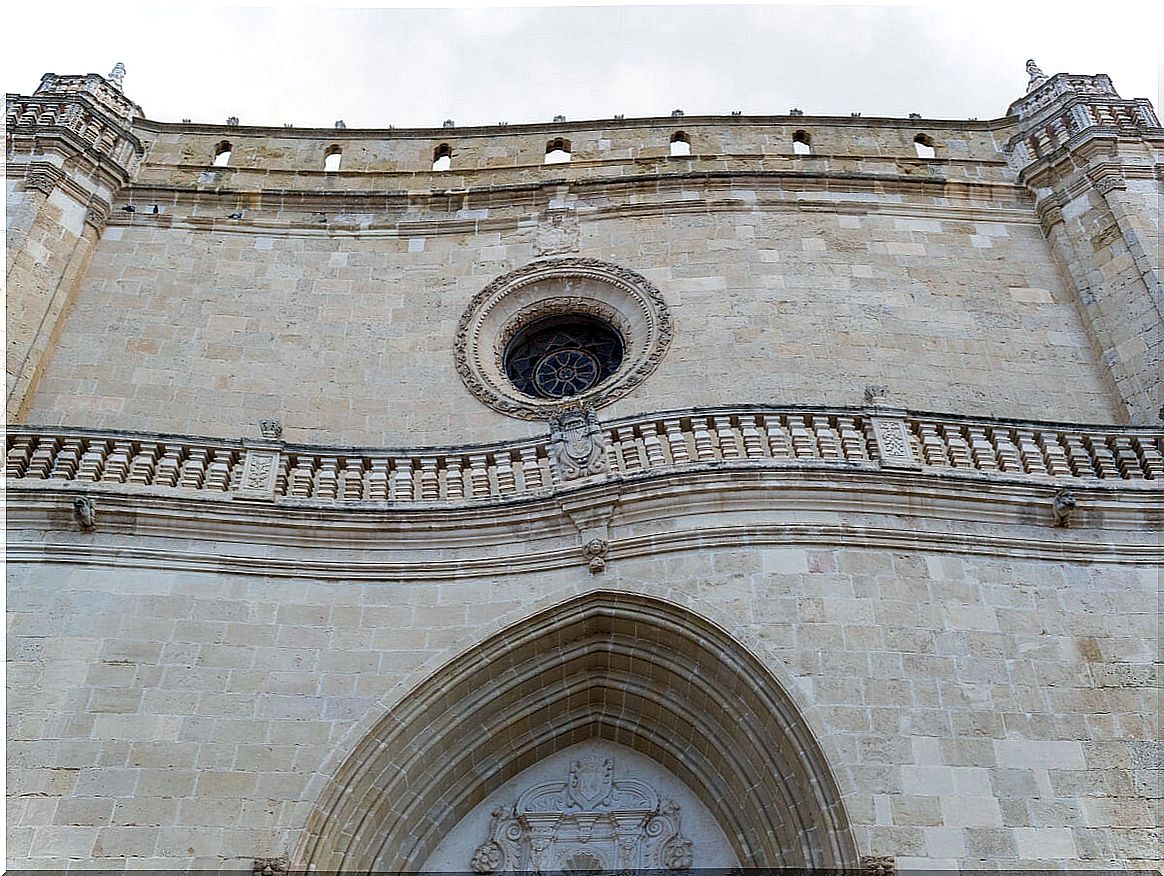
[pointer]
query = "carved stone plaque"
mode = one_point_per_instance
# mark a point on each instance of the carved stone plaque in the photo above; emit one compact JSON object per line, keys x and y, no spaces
{"x":591,"y":821}
{"x":260,"y":468}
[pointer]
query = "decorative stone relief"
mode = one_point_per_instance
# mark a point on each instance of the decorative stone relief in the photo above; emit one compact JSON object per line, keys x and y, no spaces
{"x":43,"y":178}
{"x":271,"y":429}
{"x":589,"y":822}
{"x":594,"y":551}
{"x":627,"y":302}
{"x":85,"y":513}
{"x":97,"y":215}
{"x":577,"y":445}
{"x":269,"y":867}
{"x":893,"y":446}
{"x":1063,"y":506}
{"x":260,"y":468}
{"x":557,"y":232}
{"x":879,"y":865}
{"x":876,"y":394}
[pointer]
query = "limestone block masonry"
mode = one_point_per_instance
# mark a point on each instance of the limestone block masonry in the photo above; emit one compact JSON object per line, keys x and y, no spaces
{"x":444,"y":508}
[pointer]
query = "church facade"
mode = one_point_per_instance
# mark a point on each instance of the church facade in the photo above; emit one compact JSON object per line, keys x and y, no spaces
{"x":677,"y":493}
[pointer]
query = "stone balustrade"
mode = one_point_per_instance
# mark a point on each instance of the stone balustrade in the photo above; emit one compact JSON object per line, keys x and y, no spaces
{"x":871,"y":439}
{"x":42,"y":114}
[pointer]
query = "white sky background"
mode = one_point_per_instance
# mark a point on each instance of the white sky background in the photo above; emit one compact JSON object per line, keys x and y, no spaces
{"x":373,"y":67}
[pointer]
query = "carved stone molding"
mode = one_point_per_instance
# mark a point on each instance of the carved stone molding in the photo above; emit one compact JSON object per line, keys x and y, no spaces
{"x":590,"y":822}
{"x":627,"y":301}
{"x":1110,"y":183}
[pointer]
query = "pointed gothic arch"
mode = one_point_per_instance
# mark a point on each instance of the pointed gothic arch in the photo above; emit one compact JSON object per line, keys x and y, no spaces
{"x":630,"y":669}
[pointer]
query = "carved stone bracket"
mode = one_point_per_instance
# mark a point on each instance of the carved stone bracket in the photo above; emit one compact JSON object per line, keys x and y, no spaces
{"x":593,"y":523}
{"x":1063,"y":507}
{"x":1110,"y":183}
{"x":892,"y":439}
{"x":594,"y":552}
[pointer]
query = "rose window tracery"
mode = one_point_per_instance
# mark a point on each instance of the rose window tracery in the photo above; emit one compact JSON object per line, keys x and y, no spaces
{"x":562,"y":357}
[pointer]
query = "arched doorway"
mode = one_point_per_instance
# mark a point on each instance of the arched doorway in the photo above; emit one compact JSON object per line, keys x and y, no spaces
{"x":635,"y":671}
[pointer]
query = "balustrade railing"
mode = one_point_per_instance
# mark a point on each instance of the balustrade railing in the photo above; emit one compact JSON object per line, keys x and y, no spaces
{"x":868,"y":439}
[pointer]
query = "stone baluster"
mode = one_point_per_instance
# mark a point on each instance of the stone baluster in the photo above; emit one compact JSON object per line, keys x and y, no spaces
{"x":454,"y":479}
{"x":302,"y":477}
{"x":430,"y":482}
{"x":1078,"y":458}
{"x":218,"y":471}
{"x":957,"y":447}
{"x":327,"y":478}
{"x":729,"y":448}
{"x":1101,"y":456}
{"x":1151,"y":457}
{"x":933,"y":449}
{"x":676,"y":442}
{"x":1008,"y":455}
{"x":41,"y":462}
{"x":750,"y":434}
{"x":169,"y":466}
{"x":117,"y":465}
{"x":779,"y":442}
{"x":353,"y":478}
{"x":704,"y":451}
{"x":378,"y":479}
{"x":141,"y":470}
{"x":652,"y":446}
{"x":1057,"y":466}
{"x":193,"y":469}
{"x":628,"y":449}
{"x":981,"y":450}
{"x":478,"y":476}
{"x":65,"y":465}
{"x":403,"y":489}
{"x":93,"y":460}
{"x":1126,"y":460}
{"x":531,"y":470}
{"x":803,"y":444}
{"x":16,"y":461}
{"x":852,"y":444}
{"x":828,"y":445}
{"x":1029,"y":452}
{"x":506,"y":481}
{"x":282,"y":474}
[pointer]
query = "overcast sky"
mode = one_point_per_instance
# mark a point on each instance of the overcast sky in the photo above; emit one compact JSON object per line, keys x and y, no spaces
{"x":373,"y":67}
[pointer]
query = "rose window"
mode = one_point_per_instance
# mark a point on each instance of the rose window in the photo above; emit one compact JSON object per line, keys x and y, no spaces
{"x":562,"y":357}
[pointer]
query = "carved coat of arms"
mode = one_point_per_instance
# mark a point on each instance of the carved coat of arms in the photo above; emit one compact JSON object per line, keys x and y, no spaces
{"x":577,"y":444}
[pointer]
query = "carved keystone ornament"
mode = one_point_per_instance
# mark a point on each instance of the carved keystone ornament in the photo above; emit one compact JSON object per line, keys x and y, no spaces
{"x":592,"y":821}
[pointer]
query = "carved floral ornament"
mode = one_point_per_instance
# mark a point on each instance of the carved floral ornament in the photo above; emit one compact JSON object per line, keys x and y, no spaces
{"x":567,"y":287}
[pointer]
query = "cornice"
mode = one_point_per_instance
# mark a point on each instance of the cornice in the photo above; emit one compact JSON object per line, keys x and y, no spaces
{"x":654,"y":513}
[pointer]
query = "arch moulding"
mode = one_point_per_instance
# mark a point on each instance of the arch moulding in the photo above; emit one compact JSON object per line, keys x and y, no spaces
{"x":634,"y":670}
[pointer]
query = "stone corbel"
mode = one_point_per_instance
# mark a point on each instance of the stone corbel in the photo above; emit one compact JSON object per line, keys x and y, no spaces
{"x":592,"y":520}
{"x":1050,"y":212}
{"x":270,"y":867}
{"x":97,"y":215}
{"x":43,"y":178}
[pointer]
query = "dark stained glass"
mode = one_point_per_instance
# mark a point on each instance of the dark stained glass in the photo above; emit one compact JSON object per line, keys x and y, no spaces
{"x":562,"y":356}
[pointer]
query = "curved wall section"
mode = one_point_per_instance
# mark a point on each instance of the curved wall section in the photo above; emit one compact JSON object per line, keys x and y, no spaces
{"x":627,"y":669}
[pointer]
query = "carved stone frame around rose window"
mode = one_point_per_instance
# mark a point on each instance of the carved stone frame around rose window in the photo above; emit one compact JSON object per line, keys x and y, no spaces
{"x":584,"y":287}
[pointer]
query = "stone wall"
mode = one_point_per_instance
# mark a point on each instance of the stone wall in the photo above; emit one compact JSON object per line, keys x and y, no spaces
{"x":348,"y":338}
{"x":975,"y":710}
